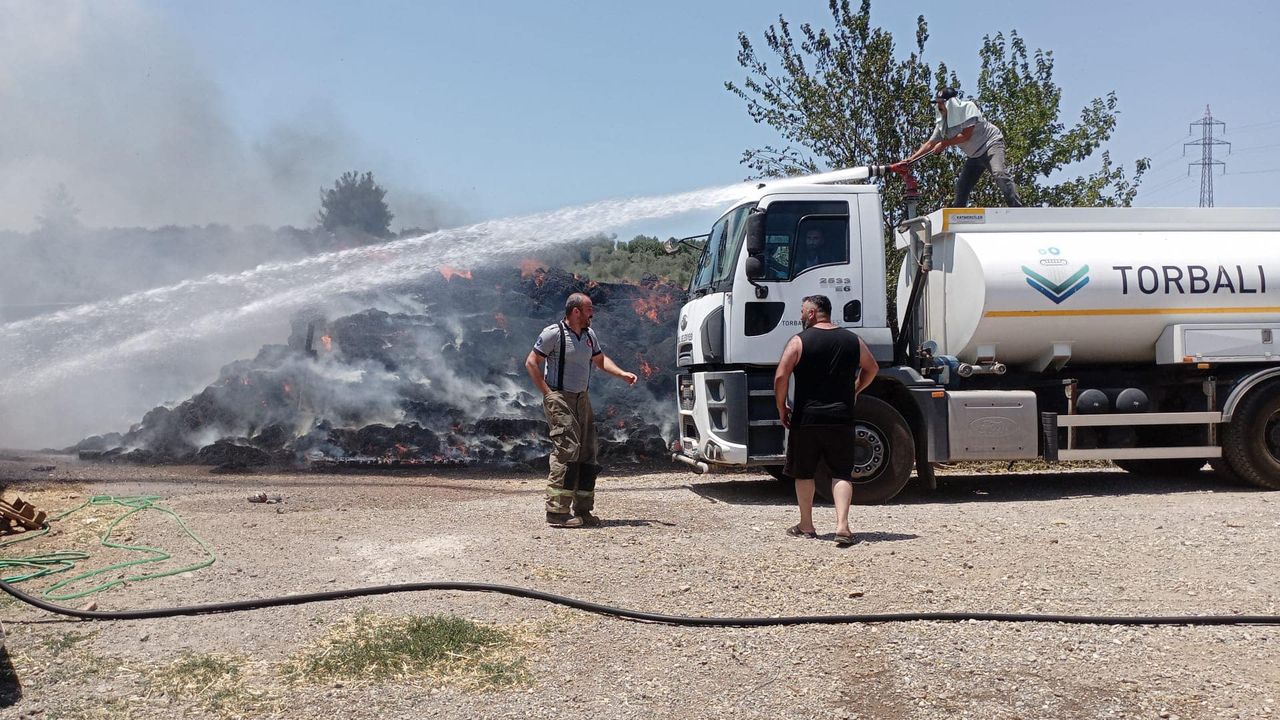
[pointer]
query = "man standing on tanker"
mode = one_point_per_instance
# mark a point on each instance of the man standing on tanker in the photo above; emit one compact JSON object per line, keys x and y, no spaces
{"x":961,"y":123}
{"x":560,"y":366}
{"x":831,"y":366}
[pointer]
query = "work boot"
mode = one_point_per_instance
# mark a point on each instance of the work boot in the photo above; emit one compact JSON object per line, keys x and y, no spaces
{"x":581,"y":520}
{"x":558,"y":519}
{"x":588,"y":520}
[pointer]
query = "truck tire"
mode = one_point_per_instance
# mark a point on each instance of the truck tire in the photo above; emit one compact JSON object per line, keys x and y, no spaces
{"x":1163,"y":467}
{"x":886,"y":452}
{"x":1223,"y":470}
{"x":1251,"y":441}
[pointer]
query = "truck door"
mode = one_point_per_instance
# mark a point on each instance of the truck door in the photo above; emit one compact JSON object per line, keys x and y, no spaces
{"x":809,"y":250}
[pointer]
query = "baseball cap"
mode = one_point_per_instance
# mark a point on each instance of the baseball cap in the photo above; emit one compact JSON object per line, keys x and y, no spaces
{"x":945,"y":93}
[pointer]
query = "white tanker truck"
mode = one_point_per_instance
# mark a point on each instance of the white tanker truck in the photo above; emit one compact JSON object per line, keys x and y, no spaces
{"x":1145,"y":336}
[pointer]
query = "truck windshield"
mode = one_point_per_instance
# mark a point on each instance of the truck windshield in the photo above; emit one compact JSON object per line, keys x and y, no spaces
{"x":715,"y":268}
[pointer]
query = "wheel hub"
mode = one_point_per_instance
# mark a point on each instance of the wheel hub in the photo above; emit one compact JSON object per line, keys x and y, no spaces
{"x":869,"y":451}
{"x":1271,"y":436}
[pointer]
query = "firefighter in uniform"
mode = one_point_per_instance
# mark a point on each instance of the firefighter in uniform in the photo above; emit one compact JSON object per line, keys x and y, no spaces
{"x":560,"y":366}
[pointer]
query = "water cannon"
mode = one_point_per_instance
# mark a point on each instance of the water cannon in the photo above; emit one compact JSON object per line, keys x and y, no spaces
{"x":862,"y":172}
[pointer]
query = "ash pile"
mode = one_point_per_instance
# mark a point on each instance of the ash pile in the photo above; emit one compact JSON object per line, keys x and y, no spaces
{"x":435,"y":378}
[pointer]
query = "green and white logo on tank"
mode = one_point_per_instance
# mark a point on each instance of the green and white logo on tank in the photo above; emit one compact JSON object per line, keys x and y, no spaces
{"x":1055,"y":279}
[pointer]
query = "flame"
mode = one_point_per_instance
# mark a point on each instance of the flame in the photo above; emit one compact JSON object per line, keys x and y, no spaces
{"x":645,"y":368}
{"x":501,"y":320}
{"x":288,"y":388}
{"x":327,"y":342}
{"x":649,"y":307}
{"x":450,"y":273}
{"x":529,"y":266}
{"x":621,"y":424}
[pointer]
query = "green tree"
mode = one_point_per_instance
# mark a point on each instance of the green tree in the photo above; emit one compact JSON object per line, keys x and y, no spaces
{"x":843,"y":97}
{"x":356,"y":202}
{"x":59,"y":214}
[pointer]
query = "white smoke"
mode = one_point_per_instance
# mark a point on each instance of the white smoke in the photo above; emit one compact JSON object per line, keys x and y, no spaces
{"x":106,"y":99}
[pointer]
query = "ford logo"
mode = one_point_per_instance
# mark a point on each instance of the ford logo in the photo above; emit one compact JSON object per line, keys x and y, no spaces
{"x":993,"y":427}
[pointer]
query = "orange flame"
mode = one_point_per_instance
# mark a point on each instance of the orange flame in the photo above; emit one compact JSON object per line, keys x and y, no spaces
{"x":646,"y":369}
{"x":327,"y":342}
{"x":529,"y":266}
{"x":501,"y":320}
{"x":450,"y":273}
{"x":288,"y":388}
{"x":649,"y":307}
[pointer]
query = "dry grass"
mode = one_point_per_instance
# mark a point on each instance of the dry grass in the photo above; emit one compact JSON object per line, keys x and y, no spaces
{"x":214,"y":682}
{"x":439,"y":650}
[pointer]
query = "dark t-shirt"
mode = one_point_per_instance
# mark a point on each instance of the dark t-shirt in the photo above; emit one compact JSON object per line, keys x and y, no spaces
{"x":825,"y":377}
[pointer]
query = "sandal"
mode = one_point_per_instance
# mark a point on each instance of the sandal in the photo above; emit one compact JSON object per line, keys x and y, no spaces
{"x":795,"y":531}
{"x":845,"y":540}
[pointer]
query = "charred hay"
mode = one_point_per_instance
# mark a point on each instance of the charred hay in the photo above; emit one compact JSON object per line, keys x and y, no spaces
{"x":439,"y":382}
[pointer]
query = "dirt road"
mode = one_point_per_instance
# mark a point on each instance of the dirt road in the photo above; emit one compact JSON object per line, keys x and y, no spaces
{"x":1085,"y":543}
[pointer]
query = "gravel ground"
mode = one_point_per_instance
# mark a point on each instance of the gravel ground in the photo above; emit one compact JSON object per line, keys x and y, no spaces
{"x":1096,"y":542}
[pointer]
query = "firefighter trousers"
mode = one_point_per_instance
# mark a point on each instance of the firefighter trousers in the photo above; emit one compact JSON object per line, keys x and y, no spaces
{"x":572,"y":480}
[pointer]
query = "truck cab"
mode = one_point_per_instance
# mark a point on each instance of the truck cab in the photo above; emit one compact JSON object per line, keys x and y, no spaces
{"x":814,"y":239}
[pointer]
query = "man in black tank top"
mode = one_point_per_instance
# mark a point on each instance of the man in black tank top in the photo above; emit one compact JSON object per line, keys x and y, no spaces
{"x":831,"y":365}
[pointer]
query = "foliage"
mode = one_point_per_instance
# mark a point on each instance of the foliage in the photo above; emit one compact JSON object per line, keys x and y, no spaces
{"x":356,"y":202}
{"x":59,"y":214}
{"x":633,"y":261}
{"x":843,"y":97}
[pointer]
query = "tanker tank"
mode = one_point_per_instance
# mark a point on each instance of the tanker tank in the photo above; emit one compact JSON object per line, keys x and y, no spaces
{"x":1035,"y":289}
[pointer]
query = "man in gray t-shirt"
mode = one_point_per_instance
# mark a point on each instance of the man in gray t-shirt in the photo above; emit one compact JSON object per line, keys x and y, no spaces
{"x":962,"y":124}
{"x":560,"y":366}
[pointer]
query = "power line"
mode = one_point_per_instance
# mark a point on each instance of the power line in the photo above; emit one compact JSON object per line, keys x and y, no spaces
{"x":1250,"y":126}
{"x":1206,"y":143}
{"x":1258,"y":147}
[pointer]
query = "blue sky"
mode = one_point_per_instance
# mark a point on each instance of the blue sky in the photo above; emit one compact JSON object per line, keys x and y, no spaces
{"x":501,"y":108}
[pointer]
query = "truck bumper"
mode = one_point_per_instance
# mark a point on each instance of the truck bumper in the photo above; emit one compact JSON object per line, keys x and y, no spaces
{"x":728,"y":417}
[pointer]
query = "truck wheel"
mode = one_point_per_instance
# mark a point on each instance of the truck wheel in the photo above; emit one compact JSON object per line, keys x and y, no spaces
{"x":1223,"y":470}
{"x":1251,"y":441}
{"x":885,"y":452}
{"x":1163,"y":467}
{"x":776,"y":472}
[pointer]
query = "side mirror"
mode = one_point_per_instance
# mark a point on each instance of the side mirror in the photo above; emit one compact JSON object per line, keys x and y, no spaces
{"x":755,"y":267}
{"x":755,"y":233}
{"x":670,"y":247}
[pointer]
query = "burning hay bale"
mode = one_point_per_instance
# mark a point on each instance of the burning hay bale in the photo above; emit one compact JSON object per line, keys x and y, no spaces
{"x":437,"y":382}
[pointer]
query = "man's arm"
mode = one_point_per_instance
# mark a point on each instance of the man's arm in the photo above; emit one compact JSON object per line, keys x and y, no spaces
{"x":867,"y":366}
{"x":926,"y":148}
{"x":959,"y":137}
{"x":533,"y":364}
{"x":603,"y":362}
{"x":782,"y":378}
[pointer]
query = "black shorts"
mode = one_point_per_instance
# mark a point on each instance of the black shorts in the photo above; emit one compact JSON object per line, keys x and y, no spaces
{"x":807,"y":444}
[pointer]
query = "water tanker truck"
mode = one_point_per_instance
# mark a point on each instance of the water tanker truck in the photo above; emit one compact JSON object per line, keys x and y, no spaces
{"x":1149,"y":337}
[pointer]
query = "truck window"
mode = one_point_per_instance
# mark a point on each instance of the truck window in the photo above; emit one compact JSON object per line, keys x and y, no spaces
{"x":720,"y":256}
{"x":801,"y":235}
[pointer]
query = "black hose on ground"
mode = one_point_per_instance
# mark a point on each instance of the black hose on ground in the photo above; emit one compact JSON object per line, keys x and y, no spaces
{"x":637,"y":615}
